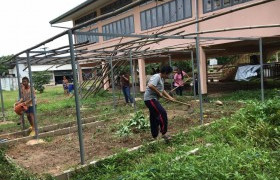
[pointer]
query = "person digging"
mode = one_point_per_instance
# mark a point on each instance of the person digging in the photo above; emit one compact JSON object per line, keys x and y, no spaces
{"x":158,"y":115}
{"x":25,"y":104}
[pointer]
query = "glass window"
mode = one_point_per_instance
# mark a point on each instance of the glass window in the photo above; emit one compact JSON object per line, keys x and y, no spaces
{"x":119,"y":29}
{"x":187,"y":9}
{"x":127,"y":29}
{"x":131,"y":23}
{"x":173,"y":16}
{"x":159,"y":16}
{"x":143,"y":20}
{"x":111,"y":30}
{"x":123,"y":26}
{"x":115,"y":28}
{"x":226,"y":3}
{"x":236,"y":1}
{"x":207,"y":5}
{"x":180,"y":9}
{"x":166,"y":13}
{"x":107,"y":31}
{"x":217,"y":4}
{"x":148,"y":19}
{"x":154,"y":17}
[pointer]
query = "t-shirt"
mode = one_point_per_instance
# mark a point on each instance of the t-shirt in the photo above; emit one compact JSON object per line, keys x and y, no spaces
{"x":158,"y":82}
{"x":178,"y":79}
{"x":124,"y":82}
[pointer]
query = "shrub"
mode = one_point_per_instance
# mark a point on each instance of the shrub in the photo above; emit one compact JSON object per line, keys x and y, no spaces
{"x":40,"y":79}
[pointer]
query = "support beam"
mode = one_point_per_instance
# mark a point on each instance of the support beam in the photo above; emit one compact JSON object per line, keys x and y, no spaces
{"x":133,"y":80}
{"x":142,"y":74}
{"x":203,"y":70}
{"x":32,"y":96}
{"x":113,"y":82}
{"x":2,"y":101}
{"x":19,"y":93}
{"x":261,"y":63}
{"x":77,"y":101}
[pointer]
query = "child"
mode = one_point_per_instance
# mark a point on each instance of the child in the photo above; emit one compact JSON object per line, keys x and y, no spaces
{"x":26,"y":98}
{"x":155,"y":90}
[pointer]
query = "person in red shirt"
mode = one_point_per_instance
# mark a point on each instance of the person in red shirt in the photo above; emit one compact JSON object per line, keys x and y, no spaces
{"x":26,"y":98}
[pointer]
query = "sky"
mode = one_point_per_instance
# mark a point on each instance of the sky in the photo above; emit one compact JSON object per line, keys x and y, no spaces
{"x":25,"y":23}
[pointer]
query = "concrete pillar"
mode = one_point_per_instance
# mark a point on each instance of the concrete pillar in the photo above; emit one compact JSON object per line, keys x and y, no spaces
{"x":80,"y":73}
{"x":277,"y":57}
{"x":203,"y":71}
{"x":135,"y":72}
{"x":142,"y":75}
{"x":105,"y":80}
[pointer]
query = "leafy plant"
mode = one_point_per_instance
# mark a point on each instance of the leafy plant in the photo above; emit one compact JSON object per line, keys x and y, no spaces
{"x":137,"y":123}
{"x":40,"y":79}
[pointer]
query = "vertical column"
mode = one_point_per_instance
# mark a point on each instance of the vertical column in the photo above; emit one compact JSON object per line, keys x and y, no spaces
{"x":2,"y":101}
{"x":78,"y":113}
{"x":170,"y":64}
{"x":80,"y":73}
{"x":261,"y":63}
{"x":19,"y":93}
{"x":133,"y":80}
{"x":112,"y":81}
{"x":106,"y":79}
{"x":194,"y":89}
{"x":142,"y":74}
{"x":32,"y":96}
{"x":199,"y":78}
{"x":203,"y":71}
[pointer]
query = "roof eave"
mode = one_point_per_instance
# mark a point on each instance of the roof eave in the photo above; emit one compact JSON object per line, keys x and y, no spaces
{"x":60,"y":18}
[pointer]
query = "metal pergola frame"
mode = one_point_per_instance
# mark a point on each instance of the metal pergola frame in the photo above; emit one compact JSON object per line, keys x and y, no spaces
{"x":55,"y":57}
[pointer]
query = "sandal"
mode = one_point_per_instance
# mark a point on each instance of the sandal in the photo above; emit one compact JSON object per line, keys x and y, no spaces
{"x":167,"y":138}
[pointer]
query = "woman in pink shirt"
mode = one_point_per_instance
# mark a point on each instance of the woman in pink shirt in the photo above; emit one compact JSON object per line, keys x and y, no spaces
{"x":179,"y":81}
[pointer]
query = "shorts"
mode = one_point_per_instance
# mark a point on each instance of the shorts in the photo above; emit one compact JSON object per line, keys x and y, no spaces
{"x":30,"y":110}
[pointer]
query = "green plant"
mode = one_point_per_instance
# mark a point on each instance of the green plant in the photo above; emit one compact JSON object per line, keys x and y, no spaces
{"x":137,"y":123}
{"x":40,"y":79}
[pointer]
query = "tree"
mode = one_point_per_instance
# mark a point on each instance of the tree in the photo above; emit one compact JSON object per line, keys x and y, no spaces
{"x":4,"y":67}
{"x":40,"y":79}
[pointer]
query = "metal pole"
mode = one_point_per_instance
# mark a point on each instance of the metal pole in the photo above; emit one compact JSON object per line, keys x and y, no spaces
{"x":132,"y":75}
{"x":194,"y":89}
{"x":19,"y":94}
{"x":2,"y":101}
{"x":32,"y":96}
{"x":198,"y":60}
{"x":113,"y":82}
{"x":261,"y":63}
{"x":198,"y":78}
{"x":170,"y":61}
{"x":78,"y":114}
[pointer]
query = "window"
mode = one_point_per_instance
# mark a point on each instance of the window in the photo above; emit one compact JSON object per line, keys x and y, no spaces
{"x":114,"y":6}
{"x":86,"y":18}
{"x":166,"y":13}
{"x":212,"y":5}
{"x":217,"y":4}
{"x":122,"y":26}
{"x":90,"y":38}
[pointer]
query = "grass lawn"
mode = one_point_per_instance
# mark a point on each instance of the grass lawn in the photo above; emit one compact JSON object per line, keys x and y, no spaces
{"x":244,"y":145}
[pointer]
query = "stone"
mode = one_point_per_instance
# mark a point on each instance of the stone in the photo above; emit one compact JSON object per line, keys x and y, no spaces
{"x":220,"y":103}
{"x":34,"y":142}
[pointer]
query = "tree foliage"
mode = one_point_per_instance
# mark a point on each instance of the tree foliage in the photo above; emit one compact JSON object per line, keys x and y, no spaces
{"x":40,"y":79}
{"x":4,"y":67}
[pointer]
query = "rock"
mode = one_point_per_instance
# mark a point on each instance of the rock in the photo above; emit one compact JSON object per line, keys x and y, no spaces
{"x":219,"y":103}
{"x":35,"y":141}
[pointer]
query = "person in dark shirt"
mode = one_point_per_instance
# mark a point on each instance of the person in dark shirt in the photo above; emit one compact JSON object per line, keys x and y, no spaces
{"x":125,"y":84}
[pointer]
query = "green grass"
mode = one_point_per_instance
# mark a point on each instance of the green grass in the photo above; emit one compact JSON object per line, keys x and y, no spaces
{"x":245,"y":146}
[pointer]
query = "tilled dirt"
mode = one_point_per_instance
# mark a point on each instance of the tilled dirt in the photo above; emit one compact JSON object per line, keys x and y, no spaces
{"x":62,"y":152}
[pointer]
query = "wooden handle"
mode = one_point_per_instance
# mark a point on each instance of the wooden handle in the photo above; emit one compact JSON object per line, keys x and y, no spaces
{"x":179,"y":102}
{"x":179,"y":86}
